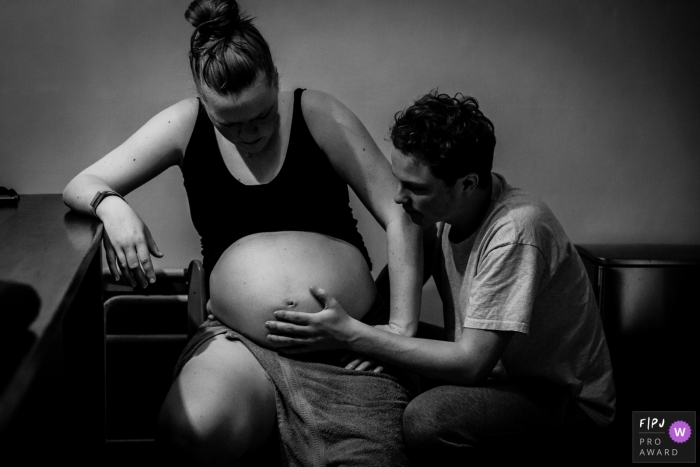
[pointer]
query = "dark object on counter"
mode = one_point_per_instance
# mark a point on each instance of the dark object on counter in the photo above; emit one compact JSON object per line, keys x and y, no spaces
{"x":8,"y":196}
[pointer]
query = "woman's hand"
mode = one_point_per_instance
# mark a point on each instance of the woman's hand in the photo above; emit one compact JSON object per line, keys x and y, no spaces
{"x":156,"y":146}
{"x":299,"y":332}
{"x":128,"y":243}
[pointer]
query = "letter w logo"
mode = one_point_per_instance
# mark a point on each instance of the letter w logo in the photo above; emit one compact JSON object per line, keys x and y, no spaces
{"x":680,"y":432}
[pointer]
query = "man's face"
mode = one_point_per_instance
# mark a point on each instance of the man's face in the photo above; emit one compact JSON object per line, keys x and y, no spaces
{"x":426,"y":199}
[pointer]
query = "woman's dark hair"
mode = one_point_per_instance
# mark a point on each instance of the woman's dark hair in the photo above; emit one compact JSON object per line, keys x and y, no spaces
{"x":227,"y":52}
{"x":449,"y":134}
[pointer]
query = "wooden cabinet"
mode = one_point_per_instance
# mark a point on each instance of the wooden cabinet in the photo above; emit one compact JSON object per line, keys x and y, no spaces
{"x":51,"y":358}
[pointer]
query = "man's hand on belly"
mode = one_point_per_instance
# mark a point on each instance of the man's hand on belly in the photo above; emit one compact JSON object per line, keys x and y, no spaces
{"x":299,"y":332}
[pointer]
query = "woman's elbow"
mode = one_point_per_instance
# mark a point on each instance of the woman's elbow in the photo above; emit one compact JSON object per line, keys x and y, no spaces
{"x":67,"y":193}
{"x":70,"y":192}
{"x":74,"y":189}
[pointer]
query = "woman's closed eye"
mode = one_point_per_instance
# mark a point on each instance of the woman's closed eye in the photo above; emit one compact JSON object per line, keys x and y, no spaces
{"x":231,"y":125}
{"x":266,"y":115}
{"x":256,"y":119}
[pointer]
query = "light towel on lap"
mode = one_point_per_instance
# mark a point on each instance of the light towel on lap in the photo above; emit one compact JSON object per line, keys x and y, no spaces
{"x":327,"y":415}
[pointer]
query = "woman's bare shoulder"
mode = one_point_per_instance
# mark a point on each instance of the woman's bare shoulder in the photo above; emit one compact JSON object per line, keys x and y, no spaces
{"x":178,"y":122}
{"x":328,"y":119}
{"x":183,"y":112}
{"x":319,"y":105}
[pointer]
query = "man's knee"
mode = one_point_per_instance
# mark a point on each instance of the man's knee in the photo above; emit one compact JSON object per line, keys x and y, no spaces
{"x":426,"y":426}
{"x":417,"y":425}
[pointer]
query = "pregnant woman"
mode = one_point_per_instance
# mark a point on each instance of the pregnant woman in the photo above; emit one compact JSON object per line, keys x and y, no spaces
{"x":323,"y":413}
{"x":266,"y":173}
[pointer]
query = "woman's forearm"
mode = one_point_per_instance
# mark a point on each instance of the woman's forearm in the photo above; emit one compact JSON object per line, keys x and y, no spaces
{"x":405,"y":251}
{"x":81,"y":190}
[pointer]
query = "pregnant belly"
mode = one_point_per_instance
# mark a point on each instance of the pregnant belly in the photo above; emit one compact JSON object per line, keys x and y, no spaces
{"x":265,"y":272}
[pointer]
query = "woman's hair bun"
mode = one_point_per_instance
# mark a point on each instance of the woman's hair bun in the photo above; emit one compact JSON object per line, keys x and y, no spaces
{"x":214,"y":18}
{"x":227,"y":52}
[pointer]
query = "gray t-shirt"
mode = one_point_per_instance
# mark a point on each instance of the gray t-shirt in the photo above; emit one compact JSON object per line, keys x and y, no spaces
{"x":519,"y":272}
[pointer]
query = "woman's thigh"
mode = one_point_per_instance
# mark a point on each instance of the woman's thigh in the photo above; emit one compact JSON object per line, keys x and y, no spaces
{"x":221,"y":405}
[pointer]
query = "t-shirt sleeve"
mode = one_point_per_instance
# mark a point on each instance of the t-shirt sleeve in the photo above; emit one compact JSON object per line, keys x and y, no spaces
{"x":503,"y":292}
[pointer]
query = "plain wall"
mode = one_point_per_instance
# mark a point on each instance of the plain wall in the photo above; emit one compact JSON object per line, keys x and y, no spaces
{"x":595,"y":103}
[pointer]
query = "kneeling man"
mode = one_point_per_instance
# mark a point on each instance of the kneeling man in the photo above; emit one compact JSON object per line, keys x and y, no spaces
{"x":524,"y":351}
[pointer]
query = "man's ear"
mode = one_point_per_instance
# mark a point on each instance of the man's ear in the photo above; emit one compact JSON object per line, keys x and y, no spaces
{"x":469,"y":182}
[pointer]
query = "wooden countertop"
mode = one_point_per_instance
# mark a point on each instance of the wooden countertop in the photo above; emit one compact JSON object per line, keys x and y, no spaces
{"x":44,"y":249}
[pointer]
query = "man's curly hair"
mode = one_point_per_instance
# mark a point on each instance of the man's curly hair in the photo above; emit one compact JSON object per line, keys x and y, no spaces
{"x":449,"y":134}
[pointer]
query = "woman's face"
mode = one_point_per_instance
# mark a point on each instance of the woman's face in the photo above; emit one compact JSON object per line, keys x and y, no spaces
{"x":248,"y":119}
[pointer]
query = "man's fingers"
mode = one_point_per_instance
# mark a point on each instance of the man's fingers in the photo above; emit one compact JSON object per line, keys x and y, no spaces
{"x":345,"y":358}
{"x":288,"y":344}
{"x":360,"y":363}
{"x":319,"y":294}
{"x":287,"y":328}
{"x":293,"y":317}
{"x":282,"y":340}
{"x":353,"y":364}
{"x":322,"y":297}
{"x":366,"y":365}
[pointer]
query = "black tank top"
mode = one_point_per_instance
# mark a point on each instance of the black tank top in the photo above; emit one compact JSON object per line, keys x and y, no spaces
{"x":307,"y":194}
